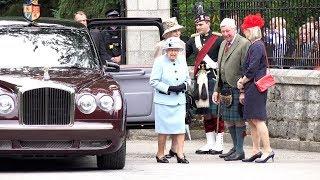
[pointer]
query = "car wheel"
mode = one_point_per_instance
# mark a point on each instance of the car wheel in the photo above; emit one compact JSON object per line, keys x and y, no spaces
{"x":115,"y":160}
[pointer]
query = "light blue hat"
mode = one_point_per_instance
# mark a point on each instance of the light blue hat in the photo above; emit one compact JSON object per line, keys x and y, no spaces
{"x":173,"y":43}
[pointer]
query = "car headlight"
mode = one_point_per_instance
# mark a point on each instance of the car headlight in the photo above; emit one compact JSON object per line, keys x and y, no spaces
{"x":6,"y":104}
{"x":87,"y":104}
{"x":106,"y":103}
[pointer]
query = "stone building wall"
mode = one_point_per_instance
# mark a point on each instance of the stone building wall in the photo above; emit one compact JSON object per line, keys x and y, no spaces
{"x":141,"y":42}
{"x":294,"y":109}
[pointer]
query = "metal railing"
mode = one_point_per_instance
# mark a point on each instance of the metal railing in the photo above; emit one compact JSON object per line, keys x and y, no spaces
{"x":291,"y":31}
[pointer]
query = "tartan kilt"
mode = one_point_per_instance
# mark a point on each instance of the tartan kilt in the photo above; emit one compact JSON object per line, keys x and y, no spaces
{"x":232,"y":113}
{"x":214,"y":109}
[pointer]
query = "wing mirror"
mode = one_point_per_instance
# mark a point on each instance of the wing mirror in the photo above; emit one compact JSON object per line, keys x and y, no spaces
{"x":112,"y":67}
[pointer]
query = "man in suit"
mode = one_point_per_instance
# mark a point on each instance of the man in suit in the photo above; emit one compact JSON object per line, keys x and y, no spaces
{"x":96,"y":35}
{"x":231,"y":57}
{"x":205,"y":80}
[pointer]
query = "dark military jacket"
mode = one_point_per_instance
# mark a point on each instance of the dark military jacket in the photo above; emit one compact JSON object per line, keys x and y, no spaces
{"x":112,"y":41}
{"x":212,"y":53}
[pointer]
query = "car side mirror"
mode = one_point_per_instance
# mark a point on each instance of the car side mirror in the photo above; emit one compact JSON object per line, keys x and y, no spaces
{"x":112,"y":67}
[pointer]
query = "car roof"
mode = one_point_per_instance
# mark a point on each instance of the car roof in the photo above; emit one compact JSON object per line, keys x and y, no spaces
{"x":42,"y":22}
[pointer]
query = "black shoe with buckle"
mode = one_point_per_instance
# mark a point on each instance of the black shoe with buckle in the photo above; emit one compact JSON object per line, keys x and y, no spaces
{"x":162,"y":160}
{"x":182,"y":160}
{"x":202,"y":152}
{"x":170,"y":155}
{"x":231,"y":151}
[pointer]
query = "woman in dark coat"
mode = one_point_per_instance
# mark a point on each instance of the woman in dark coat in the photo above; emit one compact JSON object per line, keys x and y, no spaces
{"x":254,"y":102}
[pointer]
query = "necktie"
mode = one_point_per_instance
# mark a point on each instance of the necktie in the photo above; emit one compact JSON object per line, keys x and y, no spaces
{"x":227,"y":47}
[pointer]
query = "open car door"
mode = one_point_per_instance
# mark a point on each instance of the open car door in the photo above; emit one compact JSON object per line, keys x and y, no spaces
{"x":138,"y":37}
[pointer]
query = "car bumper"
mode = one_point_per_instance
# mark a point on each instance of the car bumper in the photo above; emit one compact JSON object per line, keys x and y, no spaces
{"x":81,"y":138}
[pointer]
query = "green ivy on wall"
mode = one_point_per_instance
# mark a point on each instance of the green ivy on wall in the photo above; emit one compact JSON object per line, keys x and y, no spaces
{"x":61,"y":8}
{"x":93,"y":8}
{"x":187,"y":14}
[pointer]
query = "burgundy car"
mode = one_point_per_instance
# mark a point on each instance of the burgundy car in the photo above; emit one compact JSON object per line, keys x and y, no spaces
{"x":57,"y":97}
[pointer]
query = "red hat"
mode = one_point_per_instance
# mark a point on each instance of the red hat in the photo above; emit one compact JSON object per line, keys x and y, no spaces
{"x":252,"y":21}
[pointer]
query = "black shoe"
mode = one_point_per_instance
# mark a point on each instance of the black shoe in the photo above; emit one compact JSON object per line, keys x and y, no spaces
{"x":203,"y":152}
{"x":162,"y":160}
{"x":252,"y":158}
{"x":170,"y":155}
{"x":234,"y":157}
{"x":182,"y":160}
{"x":231,"y":151}
{"x":214,"y":152}
{"x":270,"y":156}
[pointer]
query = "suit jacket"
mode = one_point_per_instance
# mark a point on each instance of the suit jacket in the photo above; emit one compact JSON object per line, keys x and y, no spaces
{"x":166,"y":73}
{"x":98,"y":41}
{"x":233,"y":59}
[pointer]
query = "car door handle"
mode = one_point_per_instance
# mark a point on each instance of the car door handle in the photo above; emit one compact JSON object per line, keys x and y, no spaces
{"x":130,"y":73}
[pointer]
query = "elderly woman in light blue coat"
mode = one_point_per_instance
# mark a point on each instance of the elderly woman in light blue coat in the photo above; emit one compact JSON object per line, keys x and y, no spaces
{"x":170,"y":77}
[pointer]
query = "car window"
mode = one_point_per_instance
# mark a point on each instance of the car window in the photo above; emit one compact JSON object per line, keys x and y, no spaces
{"x":49,"y":47}
{"x":132,"y":44}
{"x":141,"y":42}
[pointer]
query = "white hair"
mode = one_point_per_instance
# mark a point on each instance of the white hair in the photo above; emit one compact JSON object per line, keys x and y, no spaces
{"x":255,"y":33}
{"x":228,"y":22}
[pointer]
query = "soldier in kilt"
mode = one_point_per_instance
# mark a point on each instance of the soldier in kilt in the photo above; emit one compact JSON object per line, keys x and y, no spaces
{"x":204,"y":45}
{"x":230,"y":61}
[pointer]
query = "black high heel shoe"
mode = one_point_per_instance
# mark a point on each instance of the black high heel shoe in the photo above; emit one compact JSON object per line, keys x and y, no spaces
{"x":182,"y":160}
{"x":270,"y":156}
{"x":252,"y":158}
{"x":162,"y":160}
{"x":170,"y":155}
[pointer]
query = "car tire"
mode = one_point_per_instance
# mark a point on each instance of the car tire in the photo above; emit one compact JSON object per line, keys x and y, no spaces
{"x":115,"y":160}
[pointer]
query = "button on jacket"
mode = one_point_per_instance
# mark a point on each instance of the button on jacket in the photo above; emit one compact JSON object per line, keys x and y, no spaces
{"x":167,"y":73}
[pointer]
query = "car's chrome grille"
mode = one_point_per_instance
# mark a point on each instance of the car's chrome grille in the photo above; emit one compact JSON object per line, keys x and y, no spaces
{"x":95,"y":144}
{"x":46,"y":144}
{"x":46,"y":106}
{"x":5,"y":145}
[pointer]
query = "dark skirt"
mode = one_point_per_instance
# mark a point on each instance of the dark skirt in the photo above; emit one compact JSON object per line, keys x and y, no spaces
{"x":254,"y":103}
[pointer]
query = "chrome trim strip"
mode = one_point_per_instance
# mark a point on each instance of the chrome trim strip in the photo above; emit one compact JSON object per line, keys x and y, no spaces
{"x":76,"y":126}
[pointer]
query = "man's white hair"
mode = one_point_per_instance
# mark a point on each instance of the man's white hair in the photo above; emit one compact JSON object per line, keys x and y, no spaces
{"x":228,"y":22}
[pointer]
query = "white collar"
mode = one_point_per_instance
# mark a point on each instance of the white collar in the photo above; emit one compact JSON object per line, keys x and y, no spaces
{"x":232,"y":39}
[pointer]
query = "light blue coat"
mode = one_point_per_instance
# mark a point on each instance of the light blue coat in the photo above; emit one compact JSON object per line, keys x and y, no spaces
{"x":167,"y":73}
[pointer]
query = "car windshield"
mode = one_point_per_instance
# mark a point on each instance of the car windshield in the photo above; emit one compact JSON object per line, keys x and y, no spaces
{"x":46,"y":47}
